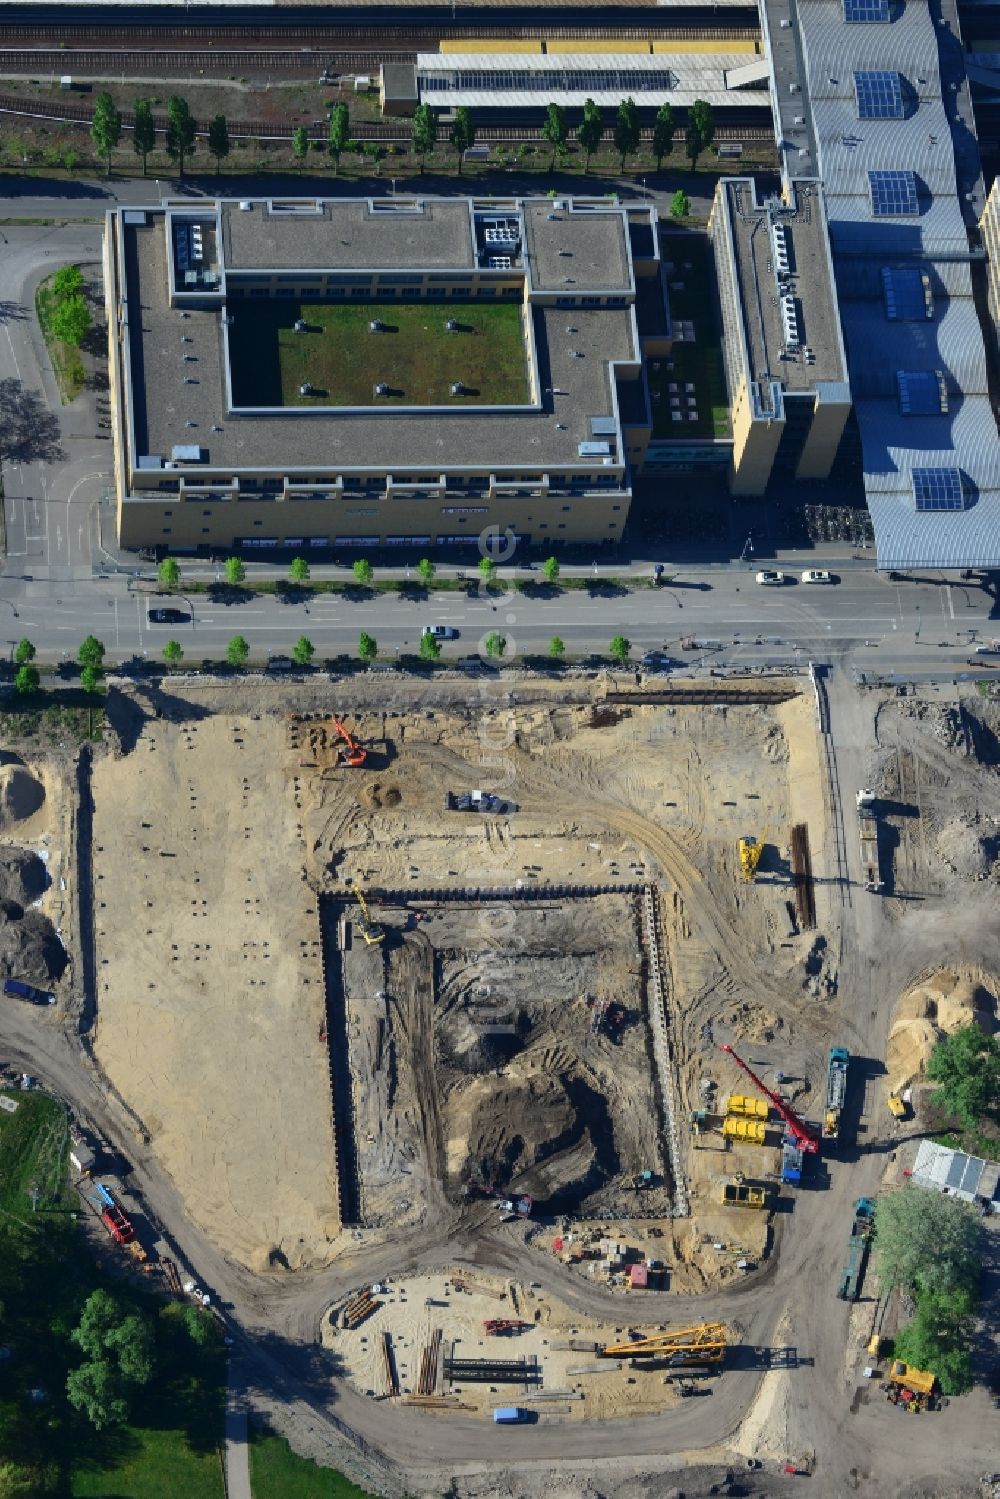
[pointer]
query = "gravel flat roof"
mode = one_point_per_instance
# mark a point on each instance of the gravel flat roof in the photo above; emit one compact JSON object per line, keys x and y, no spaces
{"x":351,"y":234}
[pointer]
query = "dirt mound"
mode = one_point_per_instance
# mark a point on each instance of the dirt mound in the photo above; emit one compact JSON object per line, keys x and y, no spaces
{"x":23,"y":878}
{"x":969,"y":849}
{"x":535,"y":1130}
{"x":935,"y":1007}
{"x":472,"y":1047}
{"x":21,"y":795}
{"x":31,"y":950}
{"x":378,"y":796}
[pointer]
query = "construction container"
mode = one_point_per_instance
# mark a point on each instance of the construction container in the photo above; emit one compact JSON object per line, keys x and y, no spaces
{"x":638,"y":1277}
{"x":921,"y":1381}
{"x":751,"y":1131}
{"x":743,"y":1195}
{"x":750,"y":1108}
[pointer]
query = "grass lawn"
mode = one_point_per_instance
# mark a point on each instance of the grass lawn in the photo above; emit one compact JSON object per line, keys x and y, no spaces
{"x":67,"y":362}
{"x":34,"y":1144}
{"x":153,"y":1465}
{"x":342,"y":361}
{"x":276,"y":1472}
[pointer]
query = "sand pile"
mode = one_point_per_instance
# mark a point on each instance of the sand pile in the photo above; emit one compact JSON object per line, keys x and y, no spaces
{"x":969,"y":849}
{"x":936,"y":1007}
{"x":23,"y":878}
{"x":29,"y":946}
{"x":21,"y":795}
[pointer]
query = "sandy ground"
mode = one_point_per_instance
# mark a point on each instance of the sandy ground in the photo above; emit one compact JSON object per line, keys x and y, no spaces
{"x":410,"y":1310}
{"x":211,"y":1002}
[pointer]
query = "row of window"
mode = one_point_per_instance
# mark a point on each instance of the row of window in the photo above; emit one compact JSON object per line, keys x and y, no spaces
{"x":549,"y":80}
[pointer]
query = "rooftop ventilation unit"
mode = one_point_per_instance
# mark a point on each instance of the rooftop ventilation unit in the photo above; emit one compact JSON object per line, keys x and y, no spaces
{"x":790,"y":322}
{"x":376,"y":325}
{"x":457,"y":388}
{"x":305,"y":389}
{"x":451,"y":325}
{"x":381,"y":388}
{"x":300,"y":326}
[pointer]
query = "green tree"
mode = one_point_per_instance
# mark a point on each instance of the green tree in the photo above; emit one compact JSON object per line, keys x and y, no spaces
{"x":664,"y":128}
{"x":132,"y":1344}
{"x":143,"y":131}
{"x":70,"y":320}
{"x":487,"y":569}
{"x":680,"y":204}
{"x":300,"y":144}
{"x":235,"y":571}
{"x":303,"y":651}
{"x":627,"y":131}
{"x":424,"y":132}
{"x":430,"y":648}
{"x":173,"y":653}
{"x":692,"y":144}
{"x":181,"y":131}
{"x":591,"y":131}
{"x":67,"y":282}
{"x":557,"y":648}
{"x":91,"y":652}
{"x":95,"y":1389}
{"x":101,"y":1314}
{"x":704,"y":122}
{"x":363,"y":572}
{"x":24,"y":652}
{"x":367,"y":646}
{"x":238,"y":651}
{"x":169,"y":573}
{"x":550,"y":569}
{"x":339,"y":133}
{"x":298,"y":570}
{"x":966,"y":1064}
{"x":462,"y":134}
{"x":555,"y":130}
{"x":90,"y":678}
{"x":26,"y":680}
{"x":18,"y":1482}
{"x":939,"y":1338}
{"x":426,"y":571}
{"x":619,"y":649}
{"x":218,"y":140}
{"x":106,"y":126}
{"x":375,"y":151}
{"x":495,"y":644}
{"x":926,"y":1243}
{"x":200,"y":1326}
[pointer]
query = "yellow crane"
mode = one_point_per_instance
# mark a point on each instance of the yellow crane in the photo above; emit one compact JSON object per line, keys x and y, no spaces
{"x":704,"y":1344}
{"x":370,"y":930}
{"x":750,"y":850}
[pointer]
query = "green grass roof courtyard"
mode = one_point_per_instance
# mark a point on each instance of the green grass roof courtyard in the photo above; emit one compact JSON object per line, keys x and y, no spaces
{"x":342,"y":360}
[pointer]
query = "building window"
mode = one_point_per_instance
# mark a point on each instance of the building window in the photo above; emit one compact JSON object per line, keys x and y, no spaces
{"x":565,"y":508}
{"x":204,"y":530}
{"x":167,"y":530}
{"x":616,"y":507}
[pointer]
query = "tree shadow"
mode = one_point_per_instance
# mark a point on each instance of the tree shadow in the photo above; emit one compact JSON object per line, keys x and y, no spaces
{"x":29,"y":432}
{"x":293,"y":594}
{"x":599,"y":589}
{"x":229,"y":594}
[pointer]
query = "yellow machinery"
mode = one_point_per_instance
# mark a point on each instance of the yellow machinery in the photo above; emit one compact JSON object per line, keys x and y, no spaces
{"x":370,"y":930}
{"x":740,"y":1194}
{"x":750,"y":1108}
{"x":920,"y":1381}
{"x":897,"y":1106}
{"x":750,"y":850}
{"x":704,"y":1344}
{"x":751,"y":1131}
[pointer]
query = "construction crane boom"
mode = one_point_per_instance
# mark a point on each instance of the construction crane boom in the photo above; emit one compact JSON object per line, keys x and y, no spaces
{"x":704,"y":1344}
{"x":354,"y":753}
{"x":370,"y":930}
{"x":804,"y":1136}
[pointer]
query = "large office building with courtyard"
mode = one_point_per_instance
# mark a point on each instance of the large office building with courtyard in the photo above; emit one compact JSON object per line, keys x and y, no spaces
{"x":380,"y":372}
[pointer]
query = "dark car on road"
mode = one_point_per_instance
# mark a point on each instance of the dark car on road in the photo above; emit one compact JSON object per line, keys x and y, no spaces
{"x":168,"y":617}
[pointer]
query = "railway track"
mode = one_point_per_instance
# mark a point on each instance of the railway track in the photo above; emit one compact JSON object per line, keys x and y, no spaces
{"x":418,"y":37}
{"x":396,"y":132}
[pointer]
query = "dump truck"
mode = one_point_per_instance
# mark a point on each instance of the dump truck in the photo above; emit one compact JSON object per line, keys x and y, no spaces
{"x":742,"y":1195}
{"x":837,"y":1063}
{"x":862,"y":1228}
{"x":868,"y":832}
{"x":751,"y":1108}
{"x":752,"y":1131}
{"x":21,"y":990}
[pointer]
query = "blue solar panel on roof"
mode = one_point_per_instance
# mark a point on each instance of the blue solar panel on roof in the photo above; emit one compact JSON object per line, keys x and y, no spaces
{"x":922,"y":392}
{"x":858,"y":11}
{"x":879,"y":96}
{"x":907,"y":293}
{"x":938,"y":489}
{"x":893,"y":193}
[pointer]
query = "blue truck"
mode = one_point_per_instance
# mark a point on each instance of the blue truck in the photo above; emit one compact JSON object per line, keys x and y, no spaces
{"x":510,"y":1415}
{"x":28,"y":991}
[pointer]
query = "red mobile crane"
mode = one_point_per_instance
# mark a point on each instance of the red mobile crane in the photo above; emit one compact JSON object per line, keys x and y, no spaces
{"x":805,"y":1137}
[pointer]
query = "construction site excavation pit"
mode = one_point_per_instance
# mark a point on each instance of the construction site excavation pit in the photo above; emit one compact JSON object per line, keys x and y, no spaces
{"x":499,"y":1051}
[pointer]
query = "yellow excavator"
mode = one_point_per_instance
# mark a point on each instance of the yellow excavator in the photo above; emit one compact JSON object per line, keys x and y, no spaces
{"x":750,"y":850}
{"x":370,"y":930}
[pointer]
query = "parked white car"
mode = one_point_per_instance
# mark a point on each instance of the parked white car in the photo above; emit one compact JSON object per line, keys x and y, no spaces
{"x":769,"y":579}
{"x":816,"y":575}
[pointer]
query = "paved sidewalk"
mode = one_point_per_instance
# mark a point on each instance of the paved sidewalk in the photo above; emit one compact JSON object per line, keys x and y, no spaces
{"x":237,"y":1450}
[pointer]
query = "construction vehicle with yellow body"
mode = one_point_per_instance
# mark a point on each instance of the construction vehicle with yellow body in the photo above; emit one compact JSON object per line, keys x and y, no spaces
{"x":750,"y":850}
{"x":370,"y":930}
{"x":750,"y":1108}
{"x":751,"y":1131}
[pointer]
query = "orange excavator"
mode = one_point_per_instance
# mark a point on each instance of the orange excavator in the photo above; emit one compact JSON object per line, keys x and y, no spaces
{"x":353,"y":753}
